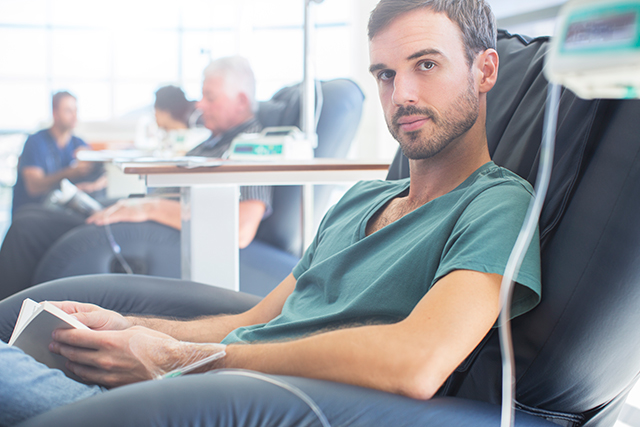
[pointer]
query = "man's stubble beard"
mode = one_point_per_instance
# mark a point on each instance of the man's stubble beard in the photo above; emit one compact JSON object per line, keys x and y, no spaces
{"x":455,"y":122}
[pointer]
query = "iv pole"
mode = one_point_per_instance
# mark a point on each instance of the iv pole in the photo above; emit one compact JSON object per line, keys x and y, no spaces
{"x":307,"y":106}
{"x":307,"y":115}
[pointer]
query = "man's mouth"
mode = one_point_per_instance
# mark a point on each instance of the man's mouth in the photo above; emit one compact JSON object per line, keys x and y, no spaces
{"x":410,"y":124}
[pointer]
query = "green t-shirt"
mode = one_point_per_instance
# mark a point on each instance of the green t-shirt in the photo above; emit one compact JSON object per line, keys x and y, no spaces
{"x":346,"y":278}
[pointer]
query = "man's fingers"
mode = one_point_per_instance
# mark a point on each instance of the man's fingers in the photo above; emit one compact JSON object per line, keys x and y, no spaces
{"x":85,"y":356}
{"x":98,"y":218}
{"x":92,"y":375}
{"x":92,"y":219}
{"x":88,"y":374}
{"x":83,"y":338}
{"x":72,"y":307}
{"x":75,"y":354}
{"x":92,"y":319}
{"x":66,"y":306}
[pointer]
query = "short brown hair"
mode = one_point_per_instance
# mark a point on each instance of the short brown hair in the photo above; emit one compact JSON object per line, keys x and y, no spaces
{"x":55,"y":99}
{"x":474,"y":17}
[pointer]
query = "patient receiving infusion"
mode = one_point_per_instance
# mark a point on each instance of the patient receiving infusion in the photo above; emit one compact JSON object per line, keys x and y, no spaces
{"x":228,"y":107}
{"x":402,"y":280}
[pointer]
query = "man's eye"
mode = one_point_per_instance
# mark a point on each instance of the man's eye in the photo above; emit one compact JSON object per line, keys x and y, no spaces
{"x":427,"y":65}
{"x":386,"y":75}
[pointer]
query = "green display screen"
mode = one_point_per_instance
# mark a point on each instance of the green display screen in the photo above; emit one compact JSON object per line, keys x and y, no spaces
{"x":613,"y":27}
{"x":258,"y":149}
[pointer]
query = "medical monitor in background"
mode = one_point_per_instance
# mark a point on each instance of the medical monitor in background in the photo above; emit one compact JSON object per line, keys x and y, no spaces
{"x":596,"y":49}
{"x":273,"y":143}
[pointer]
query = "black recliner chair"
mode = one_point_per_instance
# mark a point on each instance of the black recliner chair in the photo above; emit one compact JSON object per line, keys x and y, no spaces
{"x":154,"y":249}
{"x":577,"y":353}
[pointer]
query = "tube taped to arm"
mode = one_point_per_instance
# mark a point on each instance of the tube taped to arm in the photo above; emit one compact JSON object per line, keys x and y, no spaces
{"x":168,"y":358}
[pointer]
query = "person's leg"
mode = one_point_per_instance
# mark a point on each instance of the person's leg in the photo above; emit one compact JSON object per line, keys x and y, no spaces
{"x":29,"y":388}
{"x":33,"y":230}
{"x":249,"y":399}
{"x":131,"y":294}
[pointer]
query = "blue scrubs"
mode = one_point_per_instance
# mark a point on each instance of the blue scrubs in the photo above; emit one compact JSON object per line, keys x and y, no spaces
{"x":40,"y":150}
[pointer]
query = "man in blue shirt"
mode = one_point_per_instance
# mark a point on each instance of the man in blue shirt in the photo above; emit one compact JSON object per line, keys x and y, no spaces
{"x":49,"y":156}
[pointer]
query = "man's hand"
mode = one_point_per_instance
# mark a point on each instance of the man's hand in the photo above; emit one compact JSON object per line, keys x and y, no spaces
{"x":90,"y":187}
{"x":115,"y":358}
{"x":125,"y":210}
{"x":93,"y":316}
{"x":79,"y":168}
{"x":106,"y":358}
{"x":163,"y":211}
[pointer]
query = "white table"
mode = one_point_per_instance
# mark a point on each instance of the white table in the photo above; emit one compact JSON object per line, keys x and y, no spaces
{"x":209,"y":201}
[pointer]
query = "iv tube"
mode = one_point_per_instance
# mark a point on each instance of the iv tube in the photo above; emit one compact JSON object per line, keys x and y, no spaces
{"x":519,"y":249}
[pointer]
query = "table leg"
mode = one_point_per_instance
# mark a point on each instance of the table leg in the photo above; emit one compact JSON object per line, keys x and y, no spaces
{"x":209,"y":238}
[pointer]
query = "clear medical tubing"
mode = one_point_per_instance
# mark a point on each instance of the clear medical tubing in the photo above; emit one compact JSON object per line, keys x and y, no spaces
{"x":519,"y":250}
{"x":115,"y":248}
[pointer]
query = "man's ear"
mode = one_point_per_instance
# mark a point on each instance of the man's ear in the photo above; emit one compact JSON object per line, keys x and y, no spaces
{"x":243,"y":101}
{"x":487,"y":64}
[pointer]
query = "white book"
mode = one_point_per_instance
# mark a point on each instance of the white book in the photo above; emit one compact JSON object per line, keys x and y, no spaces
{"x":32,"y":333}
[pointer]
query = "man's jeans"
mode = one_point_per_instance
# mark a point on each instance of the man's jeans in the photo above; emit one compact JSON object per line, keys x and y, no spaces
{"x":28,"y":388}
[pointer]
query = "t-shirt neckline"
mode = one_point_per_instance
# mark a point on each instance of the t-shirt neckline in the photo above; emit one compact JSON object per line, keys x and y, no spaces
{"x":404,"y":186}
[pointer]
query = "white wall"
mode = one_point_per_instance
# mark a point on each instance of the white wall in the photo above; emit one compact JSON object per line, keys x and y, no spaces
{"x":373,"y":140}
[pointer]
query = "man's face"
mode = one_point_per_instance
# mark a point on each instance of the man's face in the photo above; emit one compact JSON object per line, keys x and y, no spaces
{"x":219,"y":110}
{"x":426,"y":87}
{"x":65,"y":116}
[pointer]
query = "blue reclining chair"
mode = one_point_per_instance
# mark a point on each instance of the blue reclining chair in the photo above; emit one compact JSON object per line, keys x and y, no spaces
{"x":577,"y":353}
{"x":154,"y":249}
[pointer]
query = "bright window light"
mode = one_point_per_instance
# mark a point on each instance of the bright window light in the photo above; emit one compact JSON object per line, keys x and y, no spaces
{"x":114,"y":55}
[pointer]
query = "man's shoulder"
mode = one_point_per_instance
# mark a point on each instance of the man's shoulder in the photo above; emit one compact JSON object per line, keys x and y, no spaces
{"x":39,"y":137}
{"x":36,"y":146}
{"x":495,"y":189}
{"x":492,"y":176}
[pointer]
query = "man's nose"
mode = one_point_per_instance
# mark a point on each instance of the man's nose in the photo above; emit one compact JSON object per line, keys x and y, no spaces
{"x":404,"y":90}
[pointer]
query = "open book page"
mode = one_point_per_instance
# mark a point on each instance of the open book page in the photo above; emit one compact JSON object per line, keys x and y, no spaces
{"x":33,"y":333}
{"x":29,"y":309}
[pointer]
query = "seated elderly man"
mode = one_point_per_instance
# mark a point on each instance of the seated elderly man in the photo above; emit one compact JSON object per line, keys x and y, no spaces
{"x":228,"y":108}
{"x":402,"y":280}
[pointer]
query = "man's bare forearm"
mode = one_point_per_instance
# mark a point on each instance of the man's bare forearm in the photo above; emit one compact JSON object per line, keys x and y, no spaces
{"x":207,"y":329}
{"x":38,"y":183}
{"x":215,"y":328}
{"x":369,"y":356}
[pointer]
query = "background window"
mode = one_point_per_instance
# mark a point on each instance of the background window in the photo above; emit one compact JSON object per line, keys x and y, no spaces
{"x":113,"y":56}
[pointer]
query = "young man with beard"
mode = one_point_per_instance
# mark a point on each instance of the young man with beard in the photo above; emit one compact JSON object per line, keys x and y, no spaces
{"x":402,"y":280}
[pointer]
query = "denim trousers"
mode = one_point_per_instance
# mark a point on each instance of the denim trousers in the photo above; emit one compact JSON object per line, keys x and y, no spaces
{"x":29,"y":388}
